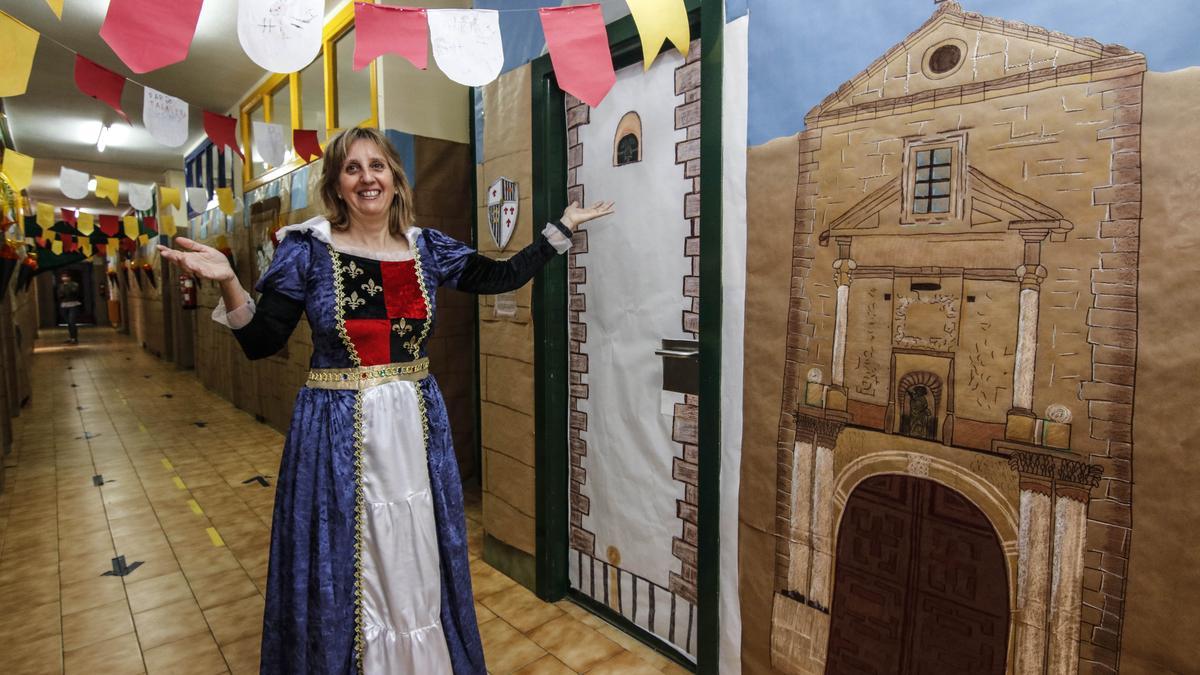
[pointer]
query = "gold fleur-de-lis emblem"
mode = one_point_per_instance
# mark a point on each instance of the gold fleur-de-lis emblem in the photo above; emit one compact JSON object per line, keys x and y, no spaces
{"x":400,"y":327}
{"x":353,"y":301}
{"x":414,"y":345}
{"x":354,"y":270}
{"x":371,"y":288}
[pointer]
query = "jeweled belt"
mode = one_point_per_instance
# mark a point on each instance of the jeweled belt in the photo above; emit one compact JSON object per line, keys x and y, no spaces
{"x":365,"y":377}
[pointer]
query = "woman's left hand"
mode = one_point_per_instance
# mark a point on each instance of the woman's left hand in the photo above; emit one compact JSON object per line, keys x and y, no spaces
{"x":575,"y":215}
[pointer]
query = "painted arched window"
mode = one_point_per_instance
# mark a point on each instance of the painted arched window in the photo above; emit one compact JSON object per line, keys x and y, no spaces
{"x":627,"y":142}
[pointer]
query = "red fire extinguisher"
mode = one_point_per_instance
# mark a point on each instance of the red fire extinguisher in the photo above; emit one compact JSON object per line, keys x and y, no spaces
{"x":187,"y":291}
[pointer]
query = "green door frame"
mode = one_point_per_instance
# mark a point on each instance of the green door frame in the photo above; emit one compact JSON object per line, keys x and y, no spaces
{"x":551,"y":374}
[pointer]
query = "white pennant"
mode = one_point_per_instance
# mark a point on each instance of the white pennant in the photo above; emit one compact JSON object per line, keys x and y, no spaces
{"x":165,"y":117}
{"x":141,"y":197}
{"x":197,"y":199}
{"x":74,"y":184}
{"x":268,"y":142}
{"x":282,"y":36}
{"x":466,"y":44}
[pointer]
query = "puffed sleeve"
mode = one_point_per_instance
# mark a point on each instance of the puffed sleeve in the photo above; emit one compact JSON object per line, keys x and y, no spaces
{"x":460,"y":266}
{"x":283,"y":289}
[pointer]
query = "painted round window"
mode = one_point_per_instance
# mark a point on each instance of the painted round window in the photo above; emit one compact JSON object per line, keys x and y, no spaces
{"x":944,"y":59}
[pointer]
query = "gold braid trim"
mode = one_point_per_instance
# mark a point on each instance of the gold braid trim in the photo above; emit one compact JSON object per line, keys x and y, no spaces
{"x":416,"y":351}
{"x":338,"y":296}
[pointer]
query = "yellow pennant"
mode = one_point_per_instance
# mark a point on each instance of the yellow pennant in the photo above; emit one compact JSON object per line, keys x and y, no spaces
{"x":18,"y":43}
{"x":18,"y":168}
{"x":659,"y":20}
{"x":169,"y":196}
{"x":56,"y":246}
{"x":143,"y":239}
{"x":56,"y":7}
{"x":225,"y":200}
{"x":108,"y":188}
{"x":45,"y":217}
{"x":85,"y":222}
{"x":85,"y":245}
{"x":131,"y":227}
{"x":167,"y":225}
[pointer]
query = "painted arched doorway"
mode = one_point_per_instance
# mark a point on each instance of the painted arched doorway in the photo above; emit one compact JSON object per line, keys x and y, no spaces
{"x":920,"y":584}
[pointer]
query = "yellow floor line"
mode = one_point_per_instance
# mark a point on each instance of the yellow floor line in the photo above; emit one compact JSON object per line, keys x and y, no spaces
{"x":195,"y":506}
{"x":179,"y":482}
{"x":168,"y":465}
{"x":215,"y":537}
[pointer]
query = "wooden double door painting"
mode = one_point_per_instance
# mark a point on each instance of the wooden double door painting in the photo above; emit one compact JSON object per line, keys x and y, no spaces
{"x":920,"y":584}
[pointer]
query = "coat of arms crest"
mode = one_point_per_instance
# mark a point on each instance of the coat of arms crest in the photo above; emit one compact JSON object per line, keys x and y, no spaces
{"x":502,"y":200}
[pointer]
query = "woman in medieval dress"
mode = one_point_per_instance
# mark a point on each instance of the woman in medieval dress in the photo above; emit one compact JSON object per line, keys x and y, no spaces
{"x":368,"y":568}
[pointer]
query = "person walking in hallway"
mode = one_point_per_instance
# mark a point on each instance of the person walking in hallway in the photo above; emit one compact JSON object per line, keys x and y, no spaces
{"x":70,"y":301}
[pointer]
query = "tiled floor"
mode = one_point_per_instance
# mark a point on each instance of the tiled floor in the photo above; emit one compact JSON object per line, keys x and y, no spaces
{"x":175,"y":459}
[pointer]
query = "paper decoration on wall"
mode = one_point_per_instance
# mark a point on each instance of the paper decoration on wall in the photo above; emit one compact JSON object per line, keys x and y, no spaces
{"x":129,"y":227}
{"x":282,"y":36}
{"x":45,"y":215}
{"x":72,"y":183}
{"x":659,"y":20}
{"x":165,"y":117}
{"x":110,"y":225}
{"x":197,"y":198}
{"x":108,"y":188}
{"x":578,"y":44}
{"x":506,"y":305}
{"x":68,"y":216}
{"x":149,"y":34}
{"x":268,"y":142}
{"x":18,"y":43}
{"x":56,"y":7}
{"x":150,"y":225}
{"x":502,"y":200}
{"x":18,"y":168}
{"x":169,"y":196}
{"x":467,"y":44}
{"x":85,"y":223}
{"x":306,"y":144}
{"x":168,"y":225}
{"x":380,"y":29}
{"x":300,"y":188}
{"x":222,"y":130}
{"x":100,"y":83}
{"x":225,"y":200}
{"x":141,"y":197}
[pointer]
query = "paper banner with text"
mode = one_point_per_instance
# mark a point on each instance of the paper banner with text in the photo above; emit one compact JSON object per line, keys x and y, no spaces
{"x":165,"y":117}
{"x":197,"y":198}
{"x":110,"y":225}
{"x":169,"y":196}
{"x":578,"y":44}
{"x":18,"y":43}
{"x":222,"y":130}
{"x":282,"y":36}
{"x":85,"y":223}
{"x":268,"y":142}
{"x":149,"y":34}
{"x":659,"y":20}
{"x":306,"y":144}
{"x":467,"y":44}
{"x":45,"y":215}
{"x":225,"y":200}
{"x":56,"y":7}
{"x":72,"y":183}
{"x":100,"y":83}
{"x":141,"y":197}
{"x":18,"y":168}
{"x":380,"y":29}
{"x":108,"y":188}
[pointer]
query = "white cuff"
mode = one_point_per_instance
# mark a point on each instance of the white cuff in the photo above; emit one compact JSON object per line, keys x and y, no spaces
{"x":239,"y":317}
{"x":557,"y":239}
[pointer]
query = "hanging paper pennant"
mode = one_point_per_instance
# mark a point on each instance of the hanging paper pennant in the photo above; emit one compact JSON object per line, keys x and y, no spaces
{"x":467,"y":44}
{"x":268,"y":142}
{"x":108,"y":188}
{"x":197,"y":199}
{"x":306,"y":144}
{"x":56,"y":247}
{"x":110,"y":225}
{"x":149,"y":34}
{"x":18,"y":168}
{"x":86,"y":223}
{"x":282,"y":36}
{"x":18,"y":43}
{"x":659,"y":20}
{"x":165,"y":117}
{"x":578,"y":44}
{"x":169,"y":196}
{"x":150,"y":225}
{"x":45,"y":215}
{"x":222,"y":130}
{"x":56,"y":7}
{"x":225,"y":200}
{"x":141,"y":197}
{"x":129,"y":227}
{"x":380,"y":29}
{"x":68,"y":216}
{"x":72,"y":183}
{"x":100,"y":83}
{"x":86,"y":245}
{"x":168,"y":225}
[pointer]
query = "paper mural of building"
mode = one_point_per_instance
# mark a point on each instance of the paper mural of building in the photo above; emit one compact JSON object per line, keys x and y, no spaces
{"x":955,"y":439}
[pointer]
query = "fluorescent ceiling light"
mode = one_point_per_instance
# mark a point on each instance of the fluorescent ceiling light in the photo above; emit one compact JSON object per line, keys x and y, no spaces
{"x":92,"y":185}
{"x":102,"y":138}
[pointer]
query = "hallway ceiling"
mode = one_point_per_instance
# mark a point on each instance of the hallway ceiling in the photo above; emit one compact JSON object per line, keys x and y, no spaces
{"x":56,"y":124}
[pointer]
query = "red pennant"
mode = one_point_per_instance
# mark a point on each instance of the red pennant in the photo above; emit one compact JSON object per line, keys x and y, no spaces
{"x":222,"y":130}
{"x":379,"y":29}
{"x":306,"y":144}
{"x":100,"y":83}
{"x":578,"y":44}
{"x":110,"y":225}
{"x":101,"y":249}
{"x":149,"y":34}
{"x":150,"y":223}
{"x":68,"y":217}
{"x":127,"y":245}
{"x":70,"y":245}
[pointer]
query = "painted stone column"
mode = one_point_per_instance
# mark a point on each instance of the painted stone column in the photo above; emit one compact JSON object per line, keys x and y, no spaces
{"x":1031,"y":273}
{"x":820,"y":590}
{"x":1033,"y":572}
{"x":1072,"y":483}
{"x":843,"y":269}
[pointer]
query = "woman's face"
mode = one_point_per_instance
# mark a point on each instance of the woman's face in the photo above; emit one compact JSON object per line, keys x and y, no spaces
{"x":366,"y":182}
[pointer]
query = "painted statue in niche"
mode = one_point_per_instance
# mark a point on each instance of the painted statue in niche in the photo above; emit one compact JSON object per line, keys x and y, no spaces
{"x":955,"y":433}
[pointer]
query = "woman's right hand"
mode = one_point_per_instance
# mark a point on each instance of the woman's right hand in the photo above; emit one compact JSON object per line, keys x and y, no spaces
{"x":199,"y":260}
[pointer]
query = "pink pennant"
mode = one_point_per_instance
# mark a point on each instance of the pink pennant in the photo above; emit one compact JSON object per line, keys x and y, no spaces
{"x":379,"y":29}
{"x":306,"y":144}
{"x":149,"y":34}
{"x":578,"y":44}
{"x":110,"y":225}
{"x":100,"y":83}
{"x":68,"y":216}
{"x":222,"y":130}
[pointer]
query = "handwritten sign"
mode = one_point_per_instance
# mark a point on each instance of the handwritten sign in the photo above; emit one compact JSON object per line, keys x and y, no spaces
{"x":282,"y":36}
{"x":466,"y":44}
{"x":165,"y":117}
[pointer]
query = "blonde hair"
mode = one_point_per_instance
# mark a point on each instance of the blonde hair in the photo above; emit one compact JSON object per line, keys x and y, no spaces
{"x":400,"y":213}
